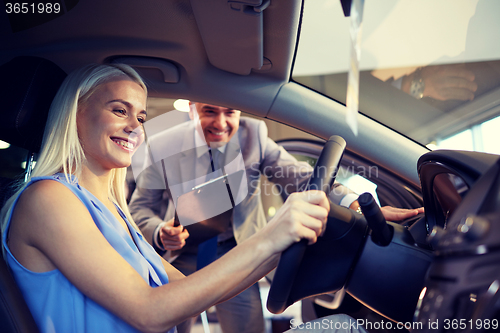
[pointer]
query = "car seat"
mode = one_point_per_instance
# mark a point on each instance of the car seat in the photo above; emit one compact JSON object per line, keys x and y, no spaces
{"x":27,"y":89}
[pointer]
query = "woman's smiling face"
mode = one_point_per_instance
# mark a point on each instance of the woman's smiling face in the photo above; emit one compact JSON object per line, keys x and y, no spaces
{"x":110,"y":123}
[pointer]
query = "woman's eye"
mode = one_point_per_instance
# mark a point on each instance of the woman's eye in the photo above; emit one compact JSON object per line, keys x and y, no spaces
{"x":141,"y":120}
{"x":120,"y":111}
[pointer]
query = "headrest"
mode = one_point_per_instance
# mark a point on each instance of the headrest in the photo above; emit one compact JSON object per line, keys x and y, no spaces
{"x":27,"y":89}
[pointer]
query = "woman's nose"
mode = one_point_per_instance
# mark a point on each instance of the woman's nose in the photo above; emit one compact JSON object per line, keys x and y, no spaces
{"x":135,"y":127}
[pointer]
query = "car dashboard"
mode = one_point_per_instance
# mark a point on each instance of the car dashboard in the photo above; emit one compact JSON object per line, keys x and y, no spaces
{"x":437,"y":270}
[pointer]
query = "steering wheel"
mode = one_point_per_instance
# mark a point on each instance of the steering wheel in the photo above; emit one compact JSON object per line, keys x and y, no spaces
{"x":322,"y":178}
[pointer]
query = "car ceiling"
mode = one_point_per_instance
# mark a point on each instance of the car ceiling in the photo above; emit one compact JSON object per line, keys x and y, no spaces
{"x":165,"y":34}
{"x":97,"y":31}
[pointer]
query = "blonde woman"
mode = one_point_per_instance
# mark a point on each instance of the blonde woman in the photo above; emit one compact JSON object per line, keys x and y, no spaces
{"x":80,"y":261}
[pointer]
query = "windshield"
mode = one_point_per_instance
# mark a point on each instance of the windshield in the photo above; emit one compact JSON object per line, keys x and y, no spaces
{"x":428,"y":69}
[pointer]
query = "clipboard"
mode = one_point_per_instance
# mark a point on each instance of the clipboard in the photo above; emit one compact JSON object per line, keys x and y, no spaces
{"x":206,"y":210}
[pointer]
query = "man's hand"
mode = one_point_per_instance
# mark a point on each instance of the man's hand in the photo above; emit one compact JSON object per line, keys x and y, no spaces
{"x":172,"y":238}
{"x":394,"y":214}
{"x":449,"y":82}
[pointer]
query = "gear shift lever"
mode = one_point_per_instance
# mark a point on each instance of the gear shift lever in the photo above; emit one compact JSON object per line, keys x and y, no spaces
{"x":381,"y":231}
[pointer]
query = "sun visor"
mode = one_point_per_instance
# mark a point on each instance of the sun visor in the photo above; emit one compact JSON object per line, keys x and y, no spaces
{"x":232,"y":32}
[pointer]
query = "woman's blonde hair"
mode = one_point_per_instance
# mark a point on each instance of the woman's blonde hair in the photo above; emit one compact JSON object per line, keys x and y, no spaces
{"x":61,"y":148}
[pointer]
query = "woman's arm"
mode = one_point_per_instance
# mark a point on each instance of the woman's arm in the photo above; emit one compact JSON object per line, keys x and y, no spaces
{"x":51,"y":222}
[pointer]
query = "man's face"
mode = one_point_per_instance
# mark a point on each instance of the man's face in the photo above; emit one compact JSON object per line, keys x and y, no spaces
{"x":218,"y":123}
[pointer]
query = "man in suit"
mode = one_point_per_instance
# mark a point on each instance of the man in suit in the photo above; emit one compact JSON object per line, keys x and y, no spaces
{"x":184,"y":157}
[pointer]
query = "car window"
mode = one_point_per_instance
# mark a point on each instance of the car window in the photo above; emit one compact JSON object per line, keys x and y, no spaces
{"x":12,"y":159}
{"x":165,"y":113}
{"x":428,"y":69}
{"x":356,"y":181}
{"x":13,"y":162}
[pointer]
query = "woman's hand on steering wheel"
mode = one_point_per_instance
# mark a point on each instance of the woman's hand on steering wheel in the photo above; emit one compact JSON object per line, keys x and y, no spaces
{"x":303,"y":216}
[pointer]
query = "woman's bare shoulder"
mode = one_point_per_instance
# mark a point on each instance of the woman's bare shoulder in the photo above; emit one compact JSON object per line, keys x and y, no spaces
{"x":45,"y":197}
{"x":40,"y":216}
{"x":45,"y":190}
